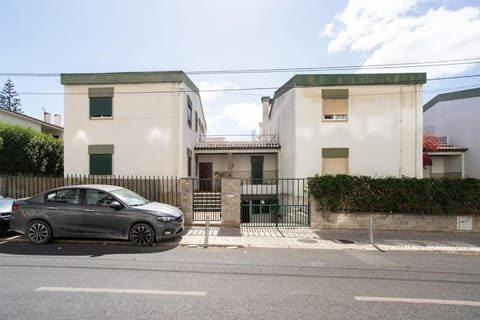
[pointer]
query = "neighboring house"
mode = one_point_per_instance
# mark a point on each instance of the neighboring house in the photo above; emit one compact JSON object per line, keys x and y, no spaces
{"x":357,"y":124}
{"x":23,"y":120}
{"x":249,"y":160}
{"x":455,"y":115}
{"x":447,"y":162}
{"x":132,"y":123}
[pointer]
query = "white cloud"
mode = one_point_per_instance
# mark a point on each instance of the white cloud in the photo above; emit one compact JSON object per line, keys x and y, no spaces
{"x":244,"y":116}
{"x":394,"y":32}
{"x":215,"y":87}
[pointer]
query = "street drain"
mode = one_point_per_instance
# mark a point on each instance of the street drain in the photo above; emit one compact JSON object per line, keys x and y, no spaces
{"x":307,"y":240}
{"x":345,"y":241}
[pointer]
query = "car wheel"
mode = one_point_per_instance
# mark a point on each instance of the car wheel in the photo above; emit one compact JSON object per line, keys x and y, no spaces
{"x":39,"y":232}
{"x":142,"y":234}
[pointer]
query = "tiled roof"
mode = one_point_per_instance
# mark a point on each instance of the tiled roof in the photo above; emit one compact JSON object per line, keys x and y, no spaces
{"x":236,"y":145}
{"x":446,"y":148}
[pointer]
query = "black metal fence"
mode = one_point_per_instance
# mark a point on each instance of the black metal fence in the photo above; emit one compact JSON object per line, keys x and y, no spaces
{"x":207,"y":200}
{"x":161,"y":189}
{"x":275,"y":202}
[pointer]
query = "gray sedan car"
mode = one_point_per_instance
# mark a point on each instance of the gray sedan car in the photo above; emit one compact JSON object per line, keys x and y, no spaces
{"x":95,"y":211}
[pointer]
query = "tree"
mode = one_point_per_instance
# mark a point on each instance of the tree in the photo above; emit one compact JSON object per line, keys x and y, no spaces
{"x":430,"y":144}
{"x":9,"y":97}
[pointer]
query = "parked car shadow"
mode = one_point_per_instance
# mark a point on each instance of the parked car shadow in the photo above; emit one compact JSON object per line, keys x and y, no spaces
{"x":76,"y":247}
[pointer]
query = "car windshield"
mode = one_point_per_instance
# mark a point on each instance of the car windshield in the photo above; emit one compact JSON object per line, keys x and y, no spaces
{"x":130,"y":197}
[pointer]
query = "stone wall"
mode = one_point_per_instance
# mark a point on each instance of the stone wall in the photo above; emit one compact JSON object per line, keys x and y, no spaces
{"x":383,"y":221}
{"x":231,"y":202}
{"x":186,"y":199}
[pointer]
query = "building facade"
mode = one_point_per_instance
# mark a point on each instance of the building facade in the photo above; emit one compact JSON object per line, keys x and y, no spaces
{"x":133,"y":123}
{"x":46,"y":126}
{"x":357,"y":124}
{"x":455,"y":116}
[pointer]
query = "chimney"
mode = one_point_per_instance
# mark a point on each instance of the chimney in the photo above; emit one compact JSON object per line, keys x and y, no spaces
{"x":266,"y":103}
{"x":57,"y":119}
{"x":47,"y":117}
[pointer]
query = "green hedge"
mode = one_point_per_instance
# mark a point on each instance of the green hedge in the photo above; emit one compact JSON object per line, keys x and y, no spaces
{"x":27,"y":152}
{"x":343,"y":193}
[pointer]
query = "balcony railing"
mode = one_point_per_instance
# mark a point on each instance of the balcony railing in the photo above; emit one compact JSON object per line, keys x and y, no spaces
{"x":268,"y":175}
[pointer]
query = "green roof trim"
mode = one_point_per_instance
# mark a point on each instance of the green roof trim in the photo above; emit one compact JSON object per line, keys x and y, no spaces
{"x":456,"y":95}
{"x":356,"y":79}
{"x":126,"y":77}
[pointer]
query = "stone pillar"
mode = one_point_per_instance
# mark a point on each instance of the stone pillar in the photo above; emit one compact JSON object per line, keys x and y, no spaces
{"x":231,"y":202}
{"x":186,"y":199}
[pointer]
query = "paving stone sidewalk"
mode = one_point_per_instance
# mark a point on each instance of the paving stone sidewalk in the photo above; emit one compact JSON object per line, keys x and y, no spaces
{"x":272,"y":237}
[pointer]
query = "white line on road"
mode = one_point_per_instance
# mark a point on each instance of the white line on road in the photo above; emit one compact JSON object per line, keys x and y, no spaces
{"x":14,"y":237}
{"x":423,"y":301}
{"x":112,"y":290}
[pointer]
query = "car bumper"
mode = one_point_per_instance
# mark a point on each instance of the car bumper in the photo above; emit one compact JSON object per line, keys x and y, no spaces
{"x":169,"y":230}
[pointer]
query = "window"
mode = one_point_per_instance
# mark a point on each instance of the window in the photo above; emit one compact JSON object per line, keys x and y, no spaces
{"x":100,"y":102}
{"x":196,"y":121}
{"x":189,"y":162}
{"x":335,"y":102}
{"x":334,"y":161}
{"x":70,"y":196}
{"x":98,"y":198}
{"x":189,"y":112}
{"x":100,"y":159}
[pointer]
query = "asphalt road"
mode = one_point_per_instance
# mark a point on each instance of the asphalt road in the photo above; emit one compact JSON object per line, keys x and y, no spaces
{"x":95,"y":281}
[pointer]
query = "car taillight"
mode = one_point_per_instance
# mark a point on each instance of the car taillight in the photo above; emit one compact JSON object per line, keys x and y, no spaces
{"x":15,"y":207}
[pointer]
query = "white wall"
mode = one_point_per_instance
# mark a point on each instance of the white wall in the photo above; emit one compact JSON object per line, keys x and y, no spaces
{"x":458,"y":119}
{"x":144,"y":130}
{"x":282,"y":124}
{"x":383,"y":132}
{"x":6,"y":117}
{"x":241,"y":162}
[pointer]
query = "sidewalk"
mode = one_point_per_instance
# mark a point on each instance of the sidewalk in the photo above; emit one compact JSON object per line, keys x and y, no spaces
{"x":306,"y":238}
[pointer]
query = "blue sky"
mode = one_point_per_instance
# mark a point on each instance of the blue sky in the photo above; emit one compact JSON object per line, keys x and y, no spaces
{"x":57,"y":36}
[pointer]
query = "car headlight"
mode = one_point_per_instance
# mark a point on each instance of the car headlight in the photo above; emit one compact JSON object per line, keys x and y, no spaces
{"x":165,"y":219}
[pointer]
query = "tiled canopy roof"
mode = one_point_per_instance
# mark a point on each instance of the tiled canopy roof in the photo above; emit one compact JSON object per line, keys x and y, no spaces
{"x":447,"y":148}
{"x":236,"y":145}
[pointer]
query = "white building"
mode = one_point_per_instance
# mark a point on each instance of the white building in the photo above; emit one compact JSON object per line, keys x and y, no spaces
{"x":132,"y":123}
{"x":47,"y":127}
{"x":357,"y":124}
{"x":455,"y":116}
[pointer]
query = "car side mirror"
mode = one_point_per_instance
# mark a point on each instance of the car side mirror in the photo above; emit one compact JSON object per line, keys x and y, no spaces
{"x":116,"y":205}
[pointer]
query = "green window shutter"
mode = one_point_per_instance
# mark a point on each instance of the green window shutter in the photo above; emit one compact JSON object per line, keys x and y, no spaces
{"x":100,"y":164}
{"x":335,"y":93}
{"x":334,"y":152}
{"x":100,"y":106}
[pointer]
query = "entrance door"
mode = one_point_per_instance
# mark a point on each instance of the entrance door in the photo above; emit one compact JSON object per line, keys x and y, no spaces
{"x":257,"y":169}
{"x":205,"y":175}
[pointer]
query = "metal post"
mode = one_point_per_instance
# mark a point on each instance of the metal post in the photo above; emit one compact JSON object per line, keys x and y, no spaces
{"x":370,"y":223}
{"x":207,"y":231}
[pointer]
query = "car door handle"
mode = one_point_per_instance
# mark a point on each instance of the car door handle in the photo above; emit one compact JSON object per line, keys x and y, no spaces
{"x":89,"y":210}
{"x":52,"y":208}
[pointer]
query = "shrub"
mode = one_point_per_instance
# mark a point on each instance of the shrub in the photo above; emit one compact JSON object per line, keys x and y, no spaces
{"x":27,"y":152}
{"x":396,"y":195}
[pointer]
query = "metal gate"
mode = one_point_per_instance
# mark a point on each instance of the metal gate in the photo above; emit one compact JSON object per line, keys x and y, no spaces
{"x":275,"y":202}
{"x":207,"y":200}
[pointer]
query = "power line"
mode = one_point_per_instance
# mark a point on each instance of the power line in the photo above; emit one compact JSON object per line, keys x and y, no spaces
{"x":432,"y":63}
{"x":225,"y":90}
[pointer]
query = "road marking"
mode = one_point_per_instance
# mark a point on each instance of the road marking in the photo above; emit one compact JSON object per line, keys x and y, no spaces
{"x":423,"y":301}
{"x":130,"y":291}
